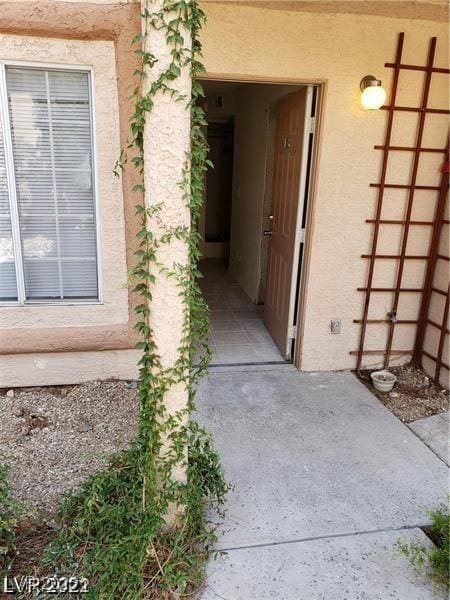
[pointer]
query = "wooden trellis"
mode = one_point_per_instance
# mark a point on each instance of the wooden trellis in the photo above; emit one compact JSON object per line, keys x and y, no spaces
{"x":391,"y":320}
{"x":429,"y":288}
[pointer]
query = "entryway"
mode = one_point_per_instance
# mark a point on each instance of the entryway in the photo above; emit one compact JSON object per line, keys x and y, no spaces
{"x":255,"y":217}
{"x":326,"y":482}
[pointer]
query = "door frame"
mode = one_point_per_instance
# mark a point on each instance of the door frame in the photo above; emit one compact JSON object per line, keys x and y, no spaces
{"x":305,"y":267}
{"x":302,"y":197}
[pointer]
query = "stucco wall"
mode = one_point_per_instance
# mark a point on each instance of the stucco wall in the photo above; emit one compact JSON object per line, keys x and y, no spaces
{"x":339,"y":50}
{"x":59,"y":368}
{"x":113,"y":306}
{"x":98,"y":35}
{"x":26,"y":327}
{"x":243,"y":41}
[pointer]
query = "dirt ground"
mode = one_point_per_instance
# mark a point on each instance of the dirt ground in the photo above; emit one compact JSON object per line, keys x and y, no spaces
{"x":414,"y":396}
{"x":53,"y":438}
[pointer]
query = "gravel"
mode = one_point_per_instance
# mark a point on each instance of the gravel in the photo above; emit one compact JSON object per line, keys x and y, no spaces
{"x":54,"y":438}
{"x":414,"y":396}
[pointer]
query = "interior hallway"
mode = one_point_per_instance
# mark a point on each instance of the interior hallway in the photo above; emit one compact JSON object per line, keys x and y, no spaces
{"x":238,"y":333}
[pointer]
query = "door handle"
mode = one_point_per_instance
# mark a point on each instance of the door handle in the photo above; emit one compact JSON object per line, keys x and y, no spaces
{"x":268,"y":231}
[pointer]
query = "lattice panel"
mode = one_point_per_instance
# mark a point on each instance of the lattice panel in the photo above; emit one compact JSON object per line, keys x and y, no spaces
{"x":432,"y":341}
{"x":409,"y":214}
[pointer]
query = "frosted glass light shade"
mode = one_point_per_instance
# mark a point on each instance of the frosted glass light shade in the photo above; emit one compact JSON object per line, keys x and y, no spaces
{"x":373,"y":97}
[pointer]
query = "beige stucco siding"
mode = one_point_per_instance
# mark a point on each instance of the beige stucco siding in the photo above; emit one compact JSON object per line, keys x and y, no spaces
{"x":87,"y":326}
{"x":339,"y":50}
{"x":112,"y":308}
{"x":336,"y":50}
{"x":58,"y":368}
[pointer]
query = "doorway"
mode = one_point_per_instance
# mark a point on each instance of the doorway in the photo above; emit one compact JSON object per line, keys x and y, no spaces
{"x":255,"y":216}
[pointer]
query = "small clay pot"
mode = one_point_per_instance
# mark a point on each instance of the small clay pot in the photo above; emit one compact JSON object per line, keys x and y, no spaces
{"x":383,"y":381}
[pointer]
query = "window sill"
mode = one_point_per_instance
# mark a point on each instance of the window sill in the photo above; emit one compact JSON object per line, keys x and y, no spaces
{"x":34,"y":303}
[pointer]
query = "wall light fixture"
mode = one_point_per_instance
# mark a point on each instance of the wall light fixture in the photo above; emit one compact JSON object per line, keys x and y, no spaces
{"x":373,"y":95}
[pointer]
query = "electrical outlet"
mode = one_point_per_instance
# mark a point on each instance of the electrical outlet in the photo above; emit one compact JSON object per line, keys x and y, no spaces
{"x":335,"y":325}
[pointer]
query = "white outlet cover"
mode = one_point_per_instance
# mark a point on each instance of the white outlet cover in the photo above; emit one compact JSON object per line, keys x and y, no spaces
{"x":335,"y":325}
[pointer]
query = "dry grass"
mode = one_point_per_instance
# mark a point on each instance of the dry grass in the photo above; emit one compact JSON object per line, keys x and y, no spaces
{"x":31,"y":539}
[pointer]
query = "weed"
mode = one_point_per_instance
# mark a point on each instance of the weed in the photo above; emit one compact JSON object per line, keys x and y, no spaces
{"x":433,"y":560}
{"x":10,"y":512}
{"x":124,"y":548}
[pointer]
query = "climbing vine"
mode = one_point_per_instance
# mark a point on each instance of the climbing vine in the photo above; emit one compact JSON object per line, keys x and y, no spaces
{"x":114,"y":529}
{"x":175,"y":18}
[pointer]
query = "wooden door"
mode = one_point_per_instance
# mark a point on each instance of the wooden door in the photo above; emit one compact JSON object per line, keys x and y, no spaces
{"x":285,"y":218}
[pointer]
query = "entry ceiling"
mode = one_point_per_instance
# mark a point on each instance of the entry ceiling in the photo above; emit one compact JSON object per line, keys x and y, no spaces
{"x":217,"y":88}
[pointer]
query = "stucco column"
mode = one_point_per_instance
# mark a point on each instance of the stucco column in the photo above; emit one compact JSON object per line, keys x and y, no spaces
{"x":166,"y":145}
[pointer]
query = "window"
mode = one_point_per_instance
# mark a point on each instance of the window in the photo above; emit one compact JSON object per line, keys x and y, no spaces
{"x":48,"y":241}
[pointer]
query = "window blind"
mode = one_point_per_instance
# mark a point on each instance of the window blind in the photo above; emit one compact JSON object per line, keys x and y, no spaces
{"x":51,"y":136}
{"x":8,"y":284}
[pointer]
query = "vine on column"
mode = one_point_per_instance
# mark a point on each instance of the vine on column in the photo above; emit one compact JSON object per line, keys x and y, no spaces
{"x":114,"y":529}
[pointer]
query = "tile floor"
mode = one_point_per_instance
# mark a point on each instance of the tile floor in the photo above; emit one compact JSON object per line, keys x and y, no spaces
{"x":238,"y":333}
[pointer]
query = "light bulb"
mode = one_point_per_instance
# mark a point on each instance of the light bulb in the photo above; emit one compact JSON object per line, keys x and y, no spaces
{"x":373,"y":96}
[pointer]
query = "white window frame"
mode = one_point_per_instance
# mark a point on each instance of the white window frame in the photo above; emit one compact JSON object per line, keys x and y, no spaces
{"x":12,"y":191}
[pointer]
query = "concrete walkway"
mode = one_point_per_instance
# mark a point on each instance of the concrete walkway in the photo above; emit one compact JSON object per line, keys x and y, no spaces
{"x":434,"y":432}
{"x":326,"y":481}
